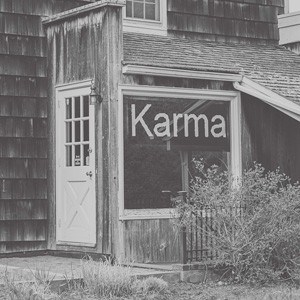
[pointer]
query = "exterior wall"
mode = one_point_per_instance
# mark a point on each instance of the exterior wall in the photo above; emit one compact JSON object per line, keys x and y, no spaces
{"x":92,"y":40}
{"x":23,"y":123}
{"x":270,"y":137}
{"x":289,"y":31}
{"x":159,"y":240}
{"x":245,"y":21}
{"x":289,"y":28}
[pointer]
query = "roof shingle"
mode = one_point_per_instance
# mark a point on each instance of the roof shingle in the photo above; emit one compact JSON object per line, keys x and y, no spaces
{"x":274,"y":67}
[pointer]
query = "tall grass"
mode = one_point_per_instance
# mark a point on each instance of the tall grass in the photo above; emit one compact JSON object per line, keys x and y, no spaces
{"x":103,"y":279}
{"x":36,"y":286}
{"x":100,"y":280}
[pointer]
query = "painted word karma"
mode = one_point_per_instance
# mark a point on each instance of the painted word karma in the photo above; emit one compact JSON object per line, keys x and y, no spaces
{"x":216,"y":127}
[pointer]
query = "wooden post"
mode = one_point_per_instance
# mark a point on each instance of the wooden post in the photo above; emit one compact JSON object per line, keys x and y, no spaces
{"x":183,"y":241}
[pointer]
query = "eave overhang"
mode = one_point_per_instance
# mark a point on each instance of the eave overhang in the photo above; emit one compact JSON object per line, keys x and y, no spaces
{"x":240,"y":83}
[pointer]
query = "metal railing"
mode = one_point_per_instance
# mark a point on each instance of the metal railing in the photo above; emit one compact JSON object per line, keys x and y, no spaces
{"x":199,"y":237}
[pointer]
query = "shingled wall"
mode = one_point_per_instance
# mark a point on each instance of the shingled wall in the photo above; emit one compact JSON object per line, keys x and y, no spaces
{"x":23,"y":122}
{"x":247,"y":21}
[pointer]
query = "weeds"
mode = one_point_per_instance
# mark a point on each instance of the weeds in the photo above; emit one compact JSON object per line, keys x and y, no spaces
{"x":34,"y":287}
{"x":103,"y":279}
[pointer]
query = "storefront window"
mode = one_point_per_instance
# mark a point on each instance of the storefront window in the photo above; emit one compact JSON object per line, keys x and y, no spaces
{"x":162,"y":136}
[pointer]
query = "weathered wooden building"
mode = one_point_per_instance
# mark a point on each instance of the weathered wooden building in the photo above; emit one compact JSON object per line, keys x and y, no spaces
{"x":170,"y":80}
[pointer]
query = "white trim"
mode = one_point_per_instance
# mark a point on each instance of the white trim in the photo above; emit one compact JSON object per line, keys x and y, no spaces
{"x":178,"y":73}
{"x":73,"y":85}
{"x":289,"y":28}
{"x":235,"y":139}
{"x":182,"y":93}
{"x":281,"y":103}
{"x":148,"y":214}
{"x":63,"y":91}
{"x":147,"y":26}
{"x":75,"y":12}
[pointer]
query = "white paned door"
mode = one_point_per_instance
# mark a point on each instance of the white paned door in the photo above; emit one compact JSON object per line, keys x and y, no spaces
{"x":75,"y":182}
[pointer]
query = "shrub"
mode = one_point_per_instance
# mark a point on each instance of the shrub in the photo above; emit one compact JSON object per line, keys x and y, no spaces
{"x":254,"y":222}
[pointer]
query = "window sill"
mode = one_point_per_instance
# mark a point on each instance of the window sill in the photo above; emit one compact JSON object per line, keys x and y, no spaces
{"x":144,"y":214}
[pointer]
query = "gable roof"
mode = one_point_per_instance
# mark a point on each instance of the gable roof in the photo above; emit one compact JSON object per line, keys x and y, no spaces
{"x":273,"y":67}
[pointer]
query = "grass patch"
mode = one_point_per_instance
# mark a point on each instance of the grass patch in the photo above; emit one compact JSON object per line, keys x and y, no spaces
{"x":101,"y":280}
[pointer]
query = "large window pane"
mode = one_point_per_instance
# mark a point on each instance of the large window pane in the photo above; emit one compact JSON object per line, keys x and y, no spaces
{"x":161,"y":138}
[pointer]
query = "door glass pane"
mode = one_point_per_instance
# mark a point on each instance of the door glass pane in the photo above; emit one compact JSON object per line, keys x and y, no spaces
{"x":77,"y":131}
{"x":86,"y":130}
{"x":69,"y":108}
{"x":86,"y":155}
{"x":68,"y":132}
{"x":68,"y":156}
{"x":77,"y":135}
{"x":86,"y":106}
{"x":77,"y":161}
{"x":77,"y":107}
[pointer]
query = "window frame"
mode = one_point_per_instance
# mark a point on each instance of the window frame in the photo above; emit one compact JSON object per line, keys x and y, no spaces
{"x":147,"y":26}
{"x":235,"y":162}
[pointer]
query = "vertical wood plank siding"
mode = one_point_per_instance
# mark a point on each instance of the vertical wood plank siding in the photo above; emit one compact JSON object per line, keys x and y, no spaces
{"x":89,"y":47}
{"x":23,"y":123}
{"x":152,"y":241}
{"x":225,"y":20}
{"x":270,"y":137}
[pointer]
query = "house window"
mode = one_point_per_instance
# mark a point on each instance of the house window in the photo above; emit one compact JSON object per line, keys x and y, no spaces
{"x":162,"y":137}
{"x":146,"y":16}
{"x":143,"y":9}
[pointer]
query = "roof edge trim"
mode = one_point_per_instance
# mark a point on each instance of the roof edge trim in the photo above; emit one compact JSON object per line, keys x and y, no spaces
{"x":281,"y":103}
{"x":75,"y":12}
{"x":178,"y":73}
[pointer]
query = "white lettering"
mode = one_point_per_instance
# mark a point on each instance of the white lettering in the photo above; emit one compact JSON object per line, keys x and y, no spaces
{"x":221,"y":127}
{"x":139,"y":119}
{"x":163,"y":125}
{"x":196,"y":124}
{"x":176,"y":117}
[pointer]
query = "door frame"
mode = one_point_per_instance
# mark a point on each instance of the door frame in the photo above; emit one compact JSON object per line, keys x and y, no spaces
{"x":83,"y":86}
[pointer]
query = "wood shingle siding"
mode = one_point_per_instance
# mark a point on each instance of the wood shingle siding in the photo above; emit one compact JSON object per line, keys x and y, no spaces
{"x":229,"y":20}
{"x":22,"y":45}
{"x":23,"y":122}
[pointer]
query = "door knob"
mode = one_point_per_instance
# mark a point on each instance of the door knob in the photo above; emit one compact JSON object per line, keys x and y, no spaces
{"x":90,"y":173}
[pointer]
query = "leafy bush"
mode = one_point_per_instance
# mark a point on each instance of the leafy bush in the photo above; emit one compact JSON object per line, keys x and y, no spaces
{"x":254,"y":221}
